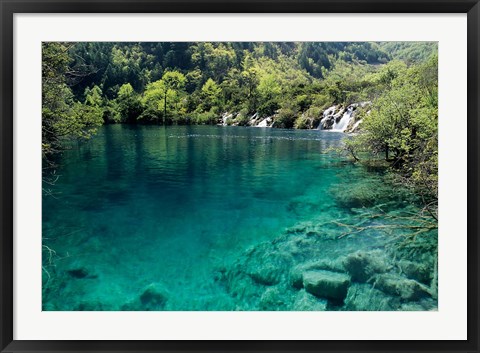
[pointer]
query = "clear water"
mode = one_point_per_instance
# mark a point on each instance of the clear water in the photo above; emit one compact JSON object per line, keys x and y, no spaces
{"x":137,"y":205}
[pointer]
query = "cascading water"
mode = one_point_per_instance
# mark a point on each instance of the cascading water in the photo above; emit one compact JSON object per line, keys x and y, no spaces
{"x":263,"y":123}
{"x":337,"y":118}
{"x":327,"y":113}
{"x":342,"y":124}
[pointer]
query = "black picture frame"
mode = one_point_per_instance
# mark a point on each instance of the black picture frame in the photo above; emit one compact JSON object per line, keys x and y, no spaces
{"x":10,"y":7}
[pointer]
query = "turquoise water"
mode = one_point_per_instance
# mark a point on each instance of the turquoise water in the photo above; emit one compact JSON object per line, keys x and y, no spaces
{"x":142,"y":210}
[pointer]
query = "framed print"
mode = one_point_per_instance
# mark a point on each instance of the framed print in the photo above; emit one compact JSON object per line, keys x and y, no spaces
{"x":239,"y":176}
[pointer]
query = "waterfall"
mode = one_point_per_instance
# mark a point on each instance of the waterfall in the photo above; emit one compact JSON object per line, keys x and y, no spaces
{"x":263,"y":123}
{"x":329,"y":112}
{"x":342,"y":124}
{"x":225,"y":117}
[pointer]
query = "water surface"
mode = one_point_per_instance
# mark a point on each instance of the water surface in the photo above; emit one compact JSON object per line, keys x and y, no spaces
{"x":171,"y":206}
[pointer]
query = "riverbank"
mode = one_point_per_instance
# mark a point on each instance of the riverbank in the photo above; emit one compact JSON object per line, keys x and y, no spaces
{"x":338,"y":118}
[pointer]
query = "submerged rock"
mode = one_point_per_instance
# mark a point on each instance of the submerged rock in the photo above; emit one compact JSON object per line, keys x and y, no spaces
{"x":307,"y":302}
{"x":296,"y":277}
{"x":274,"y":298}
{"x":267,"y":266}
{"x":326,"y":284}
{"x":241,"y":286}
{"x":267,"y":275}
{"x":296,"y":274}
{"x":363,"y":297}
{"x":298,"y":271}
{"x":406,"y":289}
{"x":427,"y":304}
{"x":419,"y":272}
{"x":154,"y":297}
{"x":80,"y":273}
{"x":363,"y":265}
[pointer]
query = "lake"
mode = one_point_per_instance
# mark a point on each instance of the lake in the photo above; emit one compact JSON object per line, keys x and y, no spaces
{"x":167,"y":218}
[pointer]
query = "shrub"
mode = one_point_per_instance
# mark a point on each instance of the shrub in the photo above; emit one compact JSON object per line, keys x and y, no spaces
{"x":302,"y":123}
{"x":285,"y":118}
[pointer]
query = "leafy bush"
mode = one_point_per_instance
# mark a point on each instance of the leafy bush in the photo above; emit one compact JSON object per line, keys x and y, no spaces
{"x":302,"y":123}
{"x":205,"y":118}
{"x":285,"y":118}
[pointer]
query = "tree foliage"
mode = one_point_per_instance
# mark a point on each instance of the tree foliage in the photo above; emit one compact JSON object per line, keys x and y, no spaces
{"x":403,"y":126}
{"x":63,"y":116}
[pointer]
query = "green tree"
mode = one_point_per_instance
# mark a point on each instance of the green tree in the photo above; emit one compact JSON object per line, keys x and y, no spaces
{"x":403,"y":127}
{"x":174,"y":89}
{"x":249,"y":81}
{"x":211,"y":95}
{"x":94,"y":97}
{"x":62,"y":116}
{"x":128,"y":103}
{"x":152,"y":101}
{"x":269,"y":91}
{"x":162,"y":99}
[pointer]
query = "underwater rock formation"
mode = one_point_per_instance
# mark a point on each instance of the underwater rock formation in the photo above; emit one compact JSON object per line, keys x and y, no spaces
{"x":363,"y":266}
{"x":153,"y":298}
{"x":305,"y":301}
{"x":406,"y":289}
{"x":305,"y":270}
{"x":419,"y":272}
{"x":327,"y":284}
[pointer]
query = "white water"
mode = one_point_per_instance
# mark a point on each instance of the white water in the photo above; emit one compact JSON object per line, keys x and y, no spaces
{"x":326,"y":113}
{"x":263,"y":123}
{"x":225,"y":117}
{"x":342,"y":124}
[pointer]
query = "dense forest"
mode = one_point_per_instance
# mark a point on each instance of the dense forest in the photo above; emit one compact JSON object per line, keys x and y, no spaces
{"x":86,"y":85}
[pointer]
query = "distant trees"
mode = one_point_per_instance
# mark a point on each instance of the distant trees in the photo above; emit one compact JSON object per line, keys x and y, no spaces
{"x":243,"y":71}
{"x":63,"y":116}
